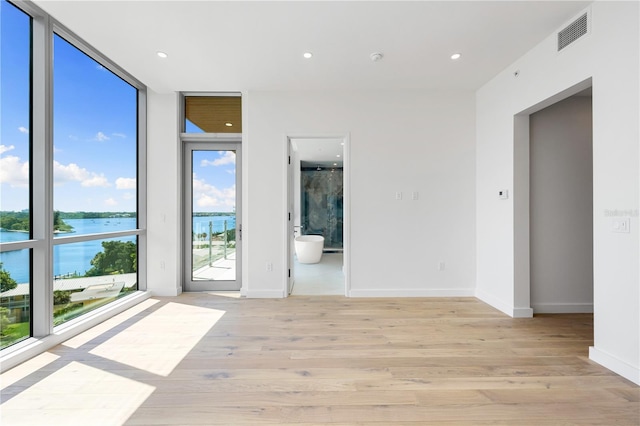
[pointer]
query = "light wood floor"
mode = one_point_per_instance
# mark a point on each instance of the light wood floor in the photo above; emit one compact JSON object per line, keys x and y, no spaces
{"x":203,"y":359}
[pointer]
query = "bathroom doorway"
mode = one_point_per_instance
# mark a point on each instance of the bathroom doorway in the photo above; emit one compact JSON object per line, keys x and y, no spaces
{"x":317,"y":217}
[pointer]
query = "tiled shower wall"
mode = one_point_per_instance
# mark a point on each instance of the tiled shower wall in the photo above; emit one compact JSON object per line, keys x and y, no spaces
{"x":321,"y":204}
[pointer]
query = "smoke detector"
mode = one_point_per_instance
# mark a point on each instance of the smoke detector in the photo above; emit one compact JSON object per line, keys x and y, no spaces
{"x":376,"y":56}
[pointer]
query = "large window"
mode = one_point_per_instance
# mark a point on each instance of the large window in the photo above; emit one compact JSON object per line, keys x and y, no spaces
{"x":94,"y":173}
{"x":72,"y":134}
{"x":15,"y":176}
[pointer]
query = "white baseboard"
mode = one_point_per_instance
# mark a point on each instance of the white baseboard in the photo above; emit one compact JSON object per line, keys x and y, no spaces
{"x":563,"y":308}
{"x":615,"y":364}
{"x":165,"y":292}
{"x":445,"y":292}
{"x":265,"y":294}
{"x":512,"y":311}
{"x":522,"y":313}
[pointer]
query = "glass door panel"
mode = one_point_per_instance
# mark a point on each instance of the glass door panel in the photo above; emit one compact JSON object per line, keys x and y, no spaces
{"x":212,"y":212}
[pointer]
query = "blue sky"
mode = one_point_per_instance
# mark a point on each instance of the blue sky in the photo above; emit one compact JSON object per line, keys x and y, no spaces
{"x":94,"y":133}
{"x":214,"y":187}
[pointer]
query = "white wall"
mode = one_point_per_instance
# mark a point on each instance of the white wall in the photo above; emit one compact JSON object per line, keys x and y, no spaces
{"x":610,"y":56}
{"x":561,"y":206}
{"x":399,"y":141}
{"x":163,"y":195}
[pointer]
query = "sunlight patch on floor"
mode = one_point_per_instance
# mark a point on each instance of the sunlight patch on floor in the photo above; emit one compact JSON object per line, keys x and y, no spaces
{"x":77,"y":394}
{"x":92,"y":333}
{"x":21,"y":371}
{"x":172,"y":331}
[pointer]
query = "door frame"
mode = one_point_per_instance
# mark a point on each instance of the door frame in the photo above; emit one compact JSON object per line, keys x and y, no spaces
{"x":288,"y":185}
{"x":211,"y":142}
{"x":521,"y":202}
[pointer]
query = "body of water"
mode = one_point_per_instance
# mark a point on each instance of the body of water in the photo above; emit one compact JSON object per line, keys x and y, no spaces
{"x":76,"y":257}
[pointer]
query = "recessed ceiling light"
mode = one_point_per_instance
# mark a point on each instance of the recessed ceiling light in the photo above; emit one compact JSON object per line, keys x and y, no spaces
{"x":376,"y":56}
{"x":161,"y":54}
{"x":228,"y":124}
{"x":456,"y":56}
{"x":307,"y":55}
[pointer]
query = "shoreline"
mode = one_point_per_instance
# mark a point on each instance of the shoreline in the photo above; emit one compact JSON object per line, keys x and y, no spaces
{"x":26,"y":232}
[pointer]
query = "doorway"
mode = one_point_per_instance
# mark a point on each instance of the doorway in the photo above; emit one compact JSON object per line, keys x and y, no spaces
{"x":212,"y":212}
{"x":561,"y":206}
{"x":527,"y":296}
{"x":318,"y":208}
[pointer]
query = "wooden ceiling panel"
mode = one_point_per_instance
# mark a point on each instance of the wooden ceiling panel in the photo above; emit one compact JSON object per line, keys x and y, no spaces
{"x":212,"y":113}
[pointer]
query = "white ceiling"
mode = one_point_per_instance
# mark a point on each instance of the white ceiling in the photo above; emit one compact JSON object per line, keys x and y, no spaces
{"x":239,"y":46}
{"x":319,"y":151}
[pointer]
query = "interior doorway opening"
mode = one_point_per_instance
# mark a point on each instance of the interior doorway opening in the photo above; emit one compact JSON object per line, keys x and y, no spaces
{"x":317,"y":220}
{"x":553,"y":205}
{"x":561,"y":206}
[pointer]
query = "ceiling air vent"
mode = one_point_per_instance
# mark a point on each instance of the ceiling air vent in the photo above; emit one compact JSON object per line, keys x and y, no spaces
{"x":573,"y":31}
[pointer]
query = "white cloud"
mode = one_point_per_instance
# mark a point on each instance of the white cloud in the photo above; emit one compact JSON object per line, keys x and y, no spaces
{"x":125,"y":183}
{"x":74,"y":173}
{"x":4,"y":148}
{"x":12,"y":170}
{"x":110,"y":202}
{"x":207,"y":195}
{"x":23,"y":129}
{"x":96,"y":180}
{"x":119,"y":135}
{"x":226,"y":157}
{"x":69,"y":173}
{"x":101,"y":137}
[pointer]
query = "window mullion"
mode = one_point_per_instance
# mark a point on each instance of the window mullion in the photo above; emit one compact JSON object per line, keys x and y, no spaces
{"x":42,"y":175}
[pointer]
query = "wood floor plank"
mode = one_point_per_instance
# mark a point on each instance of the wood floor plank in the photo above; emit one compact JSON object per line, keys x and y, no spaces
{"x":323,"y":360}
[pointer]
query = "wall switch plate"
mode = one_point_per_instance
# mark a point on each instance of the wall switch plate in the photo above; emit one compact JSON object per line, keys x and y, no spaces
{"x":398,"y":195}
{"x":441,"y":266}
{"x":621,"y":224}
{"x":414,"y":195}
{"x":503,"y":194}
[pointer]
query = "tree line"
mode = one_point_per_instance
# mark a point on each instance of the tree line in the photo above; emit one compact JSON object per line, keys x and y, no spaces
{"x":21,"y":221}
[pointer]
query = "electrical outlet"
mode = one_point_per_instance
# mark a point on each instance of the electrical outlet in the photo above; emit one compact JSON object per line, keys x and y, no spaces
{"x":269,"y":267}
{"x":621,"y":224}
{"x":398,"y":195}
{"x":441,"y":266}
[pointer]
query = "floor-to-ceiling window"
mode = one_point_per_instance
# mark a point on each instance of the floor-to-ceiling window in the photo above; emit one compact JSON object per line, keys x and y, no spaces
{"x":95,"y":186}
{"x":15,"y":174}
{"x":71,"y":198}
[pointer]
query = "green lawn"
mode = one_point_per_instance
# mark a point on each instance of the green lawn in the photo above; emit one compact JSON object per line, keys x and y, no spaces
{"x":13,"y":333}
